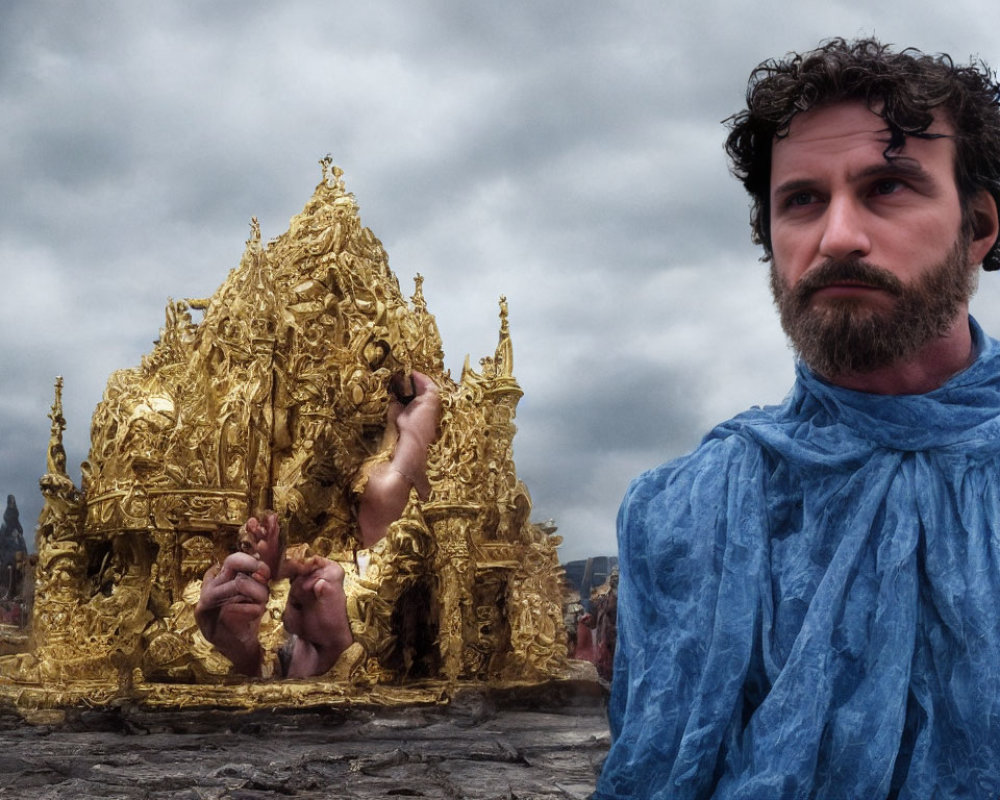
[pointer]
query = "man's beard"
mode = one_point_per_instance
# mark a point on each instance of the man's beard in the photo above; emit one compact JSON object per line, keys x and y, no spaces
{"x":842,"y":336}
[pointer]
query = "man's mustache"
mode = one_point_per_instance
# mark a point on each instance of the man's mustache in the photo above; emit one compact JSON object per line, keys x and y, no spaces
{"x":838,"y":271}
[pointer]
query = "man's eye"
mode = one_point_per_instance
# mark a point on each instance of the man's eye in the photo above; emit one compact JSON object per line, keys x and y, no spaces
{"x":799,"y":199}
{"x":888,"y":186}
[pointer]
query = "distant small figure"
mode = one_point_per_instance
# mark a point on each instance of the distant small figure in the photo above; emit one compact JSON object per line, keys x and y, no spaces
{"x":13,"y":552}
{"x":604,"y":620}
{"x":11,"y":519}
{"x":584,"y":647}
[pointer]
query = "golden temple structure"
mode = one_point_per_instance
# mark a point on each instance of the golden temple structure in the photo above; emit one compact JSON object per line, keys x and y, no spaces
{"x":276,"y":398}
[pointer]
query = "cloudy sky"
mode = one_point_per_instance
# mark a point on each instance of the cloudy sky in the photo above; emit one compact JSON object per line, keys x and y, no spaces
{"x":565,"y":154}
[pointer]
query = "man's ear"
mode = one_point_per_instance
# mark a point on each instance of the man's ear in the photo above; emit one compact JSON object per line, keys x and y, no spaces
{"x":982,"y":214}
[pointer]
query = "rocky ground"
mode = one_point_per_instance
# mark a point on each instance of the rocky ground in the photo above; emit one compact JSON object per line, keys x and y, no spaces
{"x":479,"y":746}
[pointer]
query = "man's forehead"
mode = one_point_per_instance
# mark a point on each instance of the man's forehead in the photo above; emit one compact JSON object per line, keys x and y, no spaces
{"x":851,"y":125}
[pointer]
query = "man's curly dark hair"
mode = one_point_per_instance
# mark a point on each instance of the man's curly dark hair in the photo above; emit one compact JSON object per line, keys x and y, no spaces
{"x":904,"y":88}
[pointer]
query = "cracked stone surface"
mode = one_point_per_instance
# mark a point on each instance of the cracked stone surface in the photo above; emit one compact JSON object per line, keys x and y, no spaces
{"x":474,"y":748}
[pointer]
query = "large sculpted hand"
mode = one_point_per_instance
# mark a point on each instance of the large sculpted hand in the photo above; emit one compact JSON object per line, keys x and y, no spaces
{"x":234,"y":595}
{"x":316,"y":614}
{"x":232,"y":602}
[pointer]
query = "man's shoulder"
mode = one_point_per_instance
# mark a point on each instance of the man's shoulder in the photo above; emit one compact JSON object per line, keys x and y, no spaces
{"x":676,"y":516}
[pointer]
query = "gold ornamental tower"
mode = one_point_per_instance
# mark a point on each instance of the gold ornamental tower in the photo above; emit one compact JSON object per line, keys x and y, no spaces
{"x":276,"y":398}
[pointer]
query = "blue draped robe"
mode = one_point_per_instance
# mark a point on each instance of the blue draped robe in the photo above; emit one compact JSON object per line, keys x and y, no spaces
{"x":809,"y":604}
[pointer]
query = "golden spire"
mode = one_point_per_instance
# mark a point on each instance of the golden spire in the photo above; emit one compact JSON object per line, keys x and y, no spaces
{"x":253,"y":243}
{"x":332,"y":174}
{"x":504,"y":357}
{"x":56,"y":458}
{"x":419,"y":304}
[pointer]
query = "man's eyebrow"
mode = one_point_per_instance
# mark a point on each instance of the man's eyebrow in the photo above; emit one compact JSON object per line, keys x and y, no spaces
{"x":896,"y":167}
{"x":794,"y":185}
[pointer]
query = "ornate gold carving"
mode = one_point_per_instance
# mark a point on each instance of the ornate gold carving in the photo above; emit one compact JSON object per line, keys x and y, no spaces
{"x":277,"y":398}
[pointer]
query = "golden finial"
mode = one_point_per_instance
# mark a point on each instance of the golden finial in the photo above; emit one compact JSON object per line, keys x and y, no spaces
{"x":419,"y":304}
{"x":504,"y":357}
{"x":56,"y":458}
{"x":254,"y":240}
{"x":56,"y":414}
{"x":331,"y":173}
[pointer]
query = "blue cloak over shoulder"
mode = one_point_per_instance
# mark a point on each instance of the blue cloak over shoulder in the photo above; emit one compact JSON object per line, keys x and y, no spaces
{"x":809,"y":604}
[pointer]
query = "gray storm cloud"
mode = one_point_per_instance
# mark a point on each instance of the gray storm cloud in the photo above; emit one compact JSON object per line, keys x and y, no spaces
{"x":567,"y":155}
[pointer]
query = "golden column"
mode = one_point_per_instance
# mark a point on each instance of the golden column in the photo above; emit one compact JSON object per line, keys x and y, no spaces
{"x":452,"y":524}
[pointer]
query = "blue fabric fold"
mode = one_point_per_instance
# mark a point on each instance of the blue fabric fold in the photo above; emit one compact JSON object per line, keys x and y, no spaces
{"x":809,"y":604}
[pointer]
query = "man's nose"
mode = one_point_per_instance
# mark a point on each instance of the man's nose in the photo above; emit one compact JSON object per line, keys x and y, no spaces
{"x":844,"y":231}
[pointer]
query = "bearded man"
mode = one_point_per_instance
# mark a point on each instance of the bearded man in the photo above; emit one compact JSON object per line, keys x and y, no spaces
{"x":809,"y":604}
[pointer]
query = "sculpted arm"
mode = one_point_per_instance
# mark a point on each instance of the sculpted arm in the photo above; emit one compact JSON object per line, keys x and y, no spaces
{"x":317,"y":605}
{"x":388,"y":487}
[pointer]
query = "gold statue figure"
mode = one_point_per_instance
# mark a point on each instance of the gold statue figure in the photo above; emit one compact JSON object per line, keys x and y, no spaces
{"x":286,"y":395}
